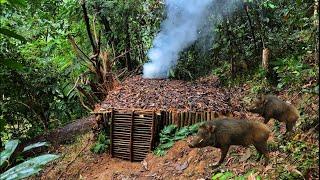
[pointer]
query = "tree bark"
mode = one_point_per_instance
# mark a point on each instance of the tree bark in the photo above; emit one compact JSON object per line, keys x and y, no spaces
{"x":86,"y":20}
{"x":265,"y":58}
{"x":127,"y":43}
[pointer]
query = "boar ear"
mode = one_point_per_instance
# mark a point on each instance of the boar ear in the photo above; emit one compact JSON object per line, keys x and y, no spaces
{"x":260,"y":97}
{"x":263,"y":99}
{"x":211,"y":128}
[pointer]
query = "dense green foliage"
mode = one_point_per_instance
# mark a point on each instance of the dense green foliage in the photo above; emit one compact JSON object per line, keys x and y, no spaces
{"x":40,"y":72}
{"x":24,"y":169}
{"x":36,"y":76}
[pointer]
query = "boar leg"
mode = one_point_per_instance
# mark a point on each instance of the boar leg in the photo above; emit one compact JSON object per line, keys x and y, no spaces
{"x":224,"y":152}
{"x":266,"y":119}
{"x":289,"y":126}
{"x":262,"y":148}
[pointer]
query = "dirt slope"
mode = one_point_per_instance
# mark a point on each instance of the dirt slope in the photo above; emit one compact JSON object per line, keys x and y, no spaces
{"x":297,"y":156}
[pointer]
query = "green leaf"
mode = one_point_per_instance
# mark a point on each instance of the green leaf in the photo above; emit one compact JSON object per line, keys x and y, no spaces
{"x":226,"y":175}
{"x":167,"y":145}
{"x":98,"y":148}
{"x":35,"y":145}
{"x":316,"y":89}
{"x":272,"y":6}
{"x":216,"y":176}
{"x":177,"y":138}
{"x":20,"y":3}
{"x":2,"y":124}
{"x":28,"y":168}
{"x":222,"y":176}
{"x":182,"y":132}
{"x":9,"y":148}
{"x":12,"y":64}
{"x":159,"y":152}
{"x":280,"y":85}
{"x":194,"y":128}
{"x":12,"y":34}
{"x":240,"y":178}
{"x":169,"y":129}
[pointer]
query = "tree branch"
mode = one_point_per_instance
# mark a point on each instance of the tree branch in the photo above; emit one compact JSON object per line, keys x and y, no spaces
{"x":246,"y":7}
{"x":87,"y":22}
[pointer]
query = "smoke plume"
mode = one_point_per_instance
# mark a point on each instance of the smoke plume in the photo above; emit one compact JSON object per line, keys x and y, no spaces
{"x":186,"y":21}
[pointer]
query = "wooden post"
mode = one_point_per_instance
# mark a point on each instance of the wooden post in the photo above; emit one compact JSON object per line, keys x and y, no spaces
{"x":179,"y":119}
{"x":212,"y":115}
{"x":163,"y":115}
{"x":184,"y":119}
{"x":202,"y":116}
{"x":152,"y":131}
{"x":216,"y":114}
{"x":164,"y":119}
{"x":192,"y":118}
{"x":197,"y":117}
{"x":111,"y":132}
{"x":131,"y":136}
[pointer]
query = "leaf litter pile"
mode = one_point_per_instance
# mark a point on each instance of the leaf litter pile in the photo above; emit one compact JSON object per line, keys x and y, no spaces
{"x":161,"y":94}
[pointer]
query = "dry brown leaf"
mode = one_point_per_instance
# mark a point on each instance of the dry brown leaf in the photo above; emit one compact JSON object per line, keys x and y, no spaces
{"x":181,"y":167}
{"x":145,"y":165}
{"x":246,"y":156}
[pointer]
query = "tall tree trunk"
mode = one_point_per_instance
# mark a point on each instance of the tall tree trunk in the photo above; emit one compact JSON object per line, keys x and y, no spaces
{"x":112,"y":40}
{"x":127,"y":43}
{"x":265,"y":58}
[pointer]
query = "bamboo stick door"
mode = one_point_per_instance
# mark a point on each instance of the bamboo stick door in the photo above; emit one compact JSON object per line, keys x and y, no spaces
{"x":132,"y":134}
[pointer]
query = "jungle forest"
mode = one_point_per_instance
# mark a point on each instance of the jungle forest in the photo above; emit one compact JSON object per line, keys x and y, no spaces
{"x":159,"y":89}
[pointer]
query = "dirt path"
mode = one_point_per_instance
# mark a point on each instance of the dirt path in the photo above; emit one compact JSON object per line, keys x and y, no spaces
{"x":77,"y":161}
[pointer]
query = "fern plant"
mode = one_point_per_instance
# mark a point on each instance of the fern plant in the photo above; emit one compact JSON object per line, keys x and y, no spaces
{"x":170,"y":134}
{"x":101,"y":145}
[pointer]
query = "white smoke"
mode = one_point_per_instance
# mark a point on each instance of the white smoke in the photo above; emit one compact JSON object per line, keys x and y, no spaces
{"x":184,"y":23}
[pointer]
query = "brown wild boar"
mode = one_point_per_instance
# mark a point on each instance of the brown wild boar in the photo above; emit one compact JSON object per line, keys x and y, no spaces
{"x":222,"y":133}
{"x":270,"y":106}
